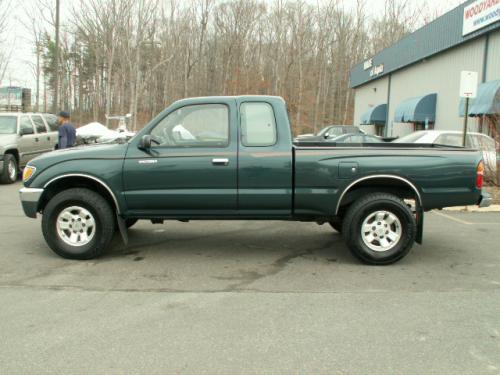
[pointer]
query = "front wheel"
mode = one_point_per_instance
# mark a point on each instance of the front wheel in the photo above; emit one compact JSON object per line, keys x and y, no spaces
{"x":78,"y":224}
{"x":10,"y":170}
{"x":379,"y":229}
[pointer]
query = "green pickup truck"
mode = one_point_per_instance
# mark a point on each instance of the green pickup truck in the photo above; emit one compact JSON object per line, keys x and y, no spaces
{"x":233,"y":158}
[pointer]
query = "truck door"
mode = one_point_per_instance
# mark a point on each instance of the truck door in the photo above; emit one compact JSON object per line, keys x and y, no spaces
{"x":191,"y":166}
{"x":265,"y":160}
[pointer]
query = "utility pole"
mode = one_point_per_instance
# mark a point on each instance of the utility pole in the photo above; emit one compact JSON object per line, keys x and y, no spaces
{"x":56,"y":56}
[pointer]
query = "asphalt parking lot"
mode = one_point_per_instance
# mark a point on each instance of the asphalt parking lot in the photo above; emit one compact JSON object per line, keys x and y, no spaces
{"x":250,"y":297}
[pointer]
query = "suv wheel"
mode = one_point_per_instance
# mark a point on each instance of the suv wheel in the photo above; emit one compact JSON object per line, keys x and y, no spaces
{"x":379,"y":229}
{"x":10,"y":169}
{"x":78,"y":224}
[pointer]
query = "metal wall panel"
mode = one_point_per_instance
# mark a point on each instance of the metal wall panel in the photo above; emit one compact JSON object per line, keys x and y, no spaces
{"x":439,"y":74}
{"x":493,"y":64}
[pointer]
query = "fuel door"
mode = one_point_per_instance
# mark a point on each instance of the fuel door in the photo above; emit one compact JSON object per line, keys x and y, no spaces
{"x":348,"y":169}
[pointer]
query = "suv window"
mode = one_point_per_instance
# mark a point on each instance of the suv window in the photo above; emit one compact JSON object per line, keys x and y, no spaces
{"x":52,"y":122}
{"x":8,"y":125}
{"x":39,"y":124}
{"x":258,"y":126}
{"x":204,"y":125}
{"x":26,"y":127}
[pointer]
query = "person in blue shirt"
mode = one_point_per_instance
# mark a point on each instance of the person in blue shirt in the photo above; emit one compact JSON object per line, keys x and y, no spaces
{"x":67,"y":132}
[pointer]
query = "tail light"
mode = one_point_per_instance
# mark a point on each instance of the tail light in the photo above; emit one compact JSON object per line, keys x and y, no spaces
{"x":480,"y":175}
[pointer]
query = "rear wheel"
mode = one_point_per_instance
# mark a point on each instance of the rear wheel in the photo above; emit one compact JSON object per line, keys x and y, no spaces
{"x":78,"y":224}
{"x":10,"y":169}
{"x":379,"y":229}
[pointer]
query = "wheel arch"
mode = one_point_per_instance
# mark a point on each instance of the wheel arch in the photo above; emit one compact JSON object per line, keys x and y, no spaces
{"x":15,"y":152}
{"x":394,"y":184}
{"x":66,"y":181}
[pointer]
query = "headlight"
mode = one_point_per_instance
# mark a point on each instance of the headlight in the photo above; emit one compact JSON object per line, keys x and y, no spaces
{"x":28,"y":172}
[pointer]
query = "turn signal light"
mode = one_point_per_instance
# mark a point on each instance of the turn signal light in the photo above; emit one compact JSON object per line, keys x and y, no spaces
{"x":480,"y":175}
{"x":28,"y":172}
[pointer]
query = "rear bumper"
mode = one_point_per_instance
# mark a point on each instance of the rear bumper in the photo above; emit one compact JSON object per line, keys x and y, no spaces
{"x":486,"y":199}
{"x":30,"y":198}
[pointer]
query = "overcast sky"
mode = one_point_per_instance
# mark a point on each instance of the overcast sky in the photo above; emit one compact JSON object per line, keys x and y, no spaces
{"x":19,"y":72}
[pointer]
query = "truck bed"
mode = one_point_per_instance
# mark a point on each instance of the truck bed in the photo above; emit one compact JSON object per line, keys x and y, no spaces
{"x":444,"y":176}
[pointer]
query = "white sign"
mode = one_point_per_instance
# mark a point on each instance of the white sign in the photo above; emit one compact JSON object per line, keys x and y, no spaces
{"x":368,"y":64}
{"x":468,"y":84}
{"x":479,"y":14}
{"x":376,"y":70}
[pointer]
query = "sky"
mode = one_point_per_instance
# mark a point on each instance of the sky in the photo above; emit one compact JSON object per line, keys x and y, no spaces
{"x":20,"y":73}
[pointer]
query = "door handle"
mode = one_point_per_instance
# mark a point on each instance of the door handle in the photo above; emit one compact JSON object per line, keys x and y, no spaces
{"x":48,"y":138}
{"x":221,"y":162}
{"x":36,"y":139}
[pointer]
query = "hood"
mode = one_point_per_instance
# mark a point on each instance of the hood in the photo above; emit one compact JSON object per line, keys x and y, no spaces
{"x":108,"y":151}
{"x":7,"y":140}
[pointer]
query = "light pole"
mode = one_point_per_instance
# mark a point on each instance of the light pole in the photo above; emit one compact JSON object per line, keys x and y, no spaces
{"x":56,"y":57}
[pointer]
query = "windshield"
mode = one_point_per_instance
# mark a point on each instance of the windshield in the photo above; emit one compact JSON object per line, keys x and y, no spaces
{"x":410,"y":138}
{"x":8,"y":125}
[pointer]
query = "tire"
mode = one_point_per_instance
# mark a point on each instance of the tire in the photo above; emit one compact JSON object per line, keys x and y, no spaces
{"x":10,"y":170}
{"x":337,"y":225}
{"x":130,"y":222}
{"x":371,"y":228}
{"x":78,"y":224}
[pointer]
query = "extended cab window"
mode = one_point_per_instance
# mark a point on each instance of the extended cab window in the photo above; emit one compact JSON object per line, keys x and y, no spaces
{"x":258,"y":126}
{"x":205,"y":125}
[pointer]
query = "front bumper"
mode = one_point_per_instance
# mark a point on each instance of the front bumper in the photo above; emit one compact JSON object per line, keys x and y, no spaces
{"x":486,"y":199}
{"x":30,"y":198}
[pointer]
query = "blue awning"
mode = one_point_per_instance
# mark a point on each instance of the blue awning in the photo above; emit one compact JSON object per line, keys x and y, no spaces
{"x":419,"y":109}
{"x":487,"y":101}
{"x":375,"y":116}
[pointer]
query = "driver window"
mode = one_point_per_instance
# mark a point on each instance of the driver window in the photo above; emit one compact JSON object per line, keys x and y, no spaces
{"x":204,"y":125}
{"x":26,"y":126}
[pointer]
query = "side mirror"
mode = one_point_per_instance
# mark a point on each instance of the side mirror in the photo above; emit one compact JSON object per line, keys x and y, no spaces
{"x":26,"y":131}
{"x":327,"y":135}
{"x":145,"y":142}
{"x":128,"y":115}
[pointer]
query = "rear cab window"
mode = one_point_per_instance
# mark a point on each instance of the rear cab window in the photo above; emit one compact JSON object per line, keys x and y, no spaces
{"x":258,"y":124}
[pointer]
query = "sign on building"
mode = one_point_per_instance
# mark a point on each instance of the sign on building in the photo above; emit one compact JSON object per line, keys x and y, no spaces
{"x":468,"y":84}
{"x":479,"y":14}
{"x":11,"y":96}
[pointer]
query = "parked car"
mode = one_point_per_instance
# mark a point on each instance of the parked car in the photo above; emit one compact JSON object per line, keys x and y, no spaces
{"x":24,"y":136}
{"x":487,"y":145}
{"x":329,"y":132}
{"x":245,"y":167}
{"x":356,"y":138}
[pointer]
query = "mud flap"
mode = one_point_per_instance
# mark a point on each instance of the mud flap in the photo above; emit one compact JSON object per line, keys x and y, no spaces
{"x":123,"y":228}
{"x":420,"y":224}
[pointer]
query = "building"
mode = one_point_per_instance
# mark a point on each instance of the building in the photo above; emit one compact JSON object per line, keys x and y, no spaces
{"x":415,"y":83}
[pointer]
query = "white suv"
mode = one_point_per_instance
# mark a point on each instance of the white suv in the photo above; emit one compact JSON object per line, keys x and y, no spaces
{"x":24,"y":136}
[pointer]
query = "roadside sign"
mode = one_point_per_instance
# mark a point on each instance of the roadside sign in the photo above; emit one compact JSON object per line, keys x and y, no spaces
{"x":468,"y":84}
